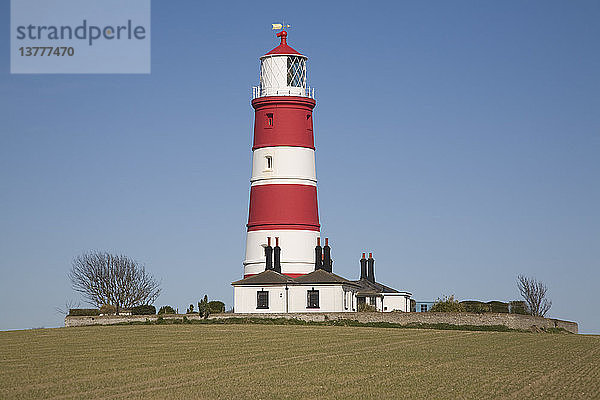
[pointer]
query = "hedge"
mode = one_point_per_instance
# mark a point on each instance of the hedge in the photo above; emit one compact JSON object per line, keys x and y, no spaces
{"x":216,"y":307}
{"x":84,"y":312}
{"x":166,"y":310}
{"x":143,"y":310}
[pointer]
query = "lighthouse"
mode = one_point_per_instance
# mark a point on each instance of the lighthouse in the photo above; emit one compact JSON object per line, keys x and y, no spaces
{"x":285,"y":269}
{"x":283,"y":210}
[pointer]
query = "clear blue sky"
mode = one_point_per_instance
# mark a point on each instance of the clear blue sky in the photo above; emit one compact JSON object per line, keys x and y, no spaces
{"x":458,"y":141}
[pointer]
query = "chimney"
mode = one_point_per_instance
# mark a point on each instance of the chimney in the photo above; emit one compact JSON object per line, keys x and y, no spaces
{"x":318,"y":255}
{"x":327,"y":256}
{"x":269,"y":255}
{"x":363,"y":267}
{"x":371,"y":268}
{"x":277,"y":256}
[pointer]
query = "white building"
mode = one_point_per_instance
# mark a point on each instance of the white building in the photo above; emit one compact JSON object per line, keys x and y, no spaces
{"x":318,"y":291}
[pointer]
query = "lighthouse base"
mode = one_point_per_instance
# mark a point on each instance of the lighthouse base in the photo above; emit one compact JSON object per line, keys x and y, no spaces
{"x":297,"y":251}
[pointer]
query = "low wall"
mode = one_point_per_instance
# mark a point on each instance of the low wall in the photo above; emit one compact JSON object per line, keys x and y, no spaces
{"x":512,"y":321}
{"x":119,"y":319}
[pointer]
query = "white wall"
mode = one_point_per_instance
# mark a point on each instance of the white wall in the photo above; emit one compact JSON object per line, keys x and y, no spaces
{"x":245,"y":298}
{"x":290,"y":165}
{"x":396,"y":301}
{"x":331,"y":298}
{"x":297,"y":250}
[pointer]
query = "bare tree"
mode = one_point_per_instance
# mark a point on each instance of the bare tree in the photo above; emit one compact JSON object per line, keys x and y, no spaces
{"x":534,"y":293}
{"x":117,"y":280}
{"x":68,"y":305}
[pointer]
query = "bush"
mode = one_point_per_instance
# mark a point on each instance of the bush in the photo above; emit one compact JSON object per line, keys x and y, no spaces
{"x":84,"y":312}
{"x":518,"y":307}
{"x":108,"y":309}
{"x":143,"y":310}
{"x":216,"y":307}
{"x":203,"y":309}
{"x":447,"y":304}
{"x":476,"y":306}
{"x":364,"y":307}
{"x":167,"y":310}
{"x":498,"y":306}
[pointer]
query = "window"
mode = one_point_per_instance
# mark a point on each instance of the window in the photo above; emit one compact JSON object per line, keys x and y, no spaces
{"x":312,"y":299}
{"x":262,"y":299}
{"x":373,"y":300}
{"x":308,"y":122}
{"x":296,"y":71}
{"x":423,"y":307}
{"x":269,"y":162}
{"x":269,"y":120}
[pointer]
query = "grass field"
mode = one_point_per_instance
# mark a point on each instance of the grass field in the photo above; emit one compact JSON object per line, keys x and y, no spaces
{"x":298,"y":362}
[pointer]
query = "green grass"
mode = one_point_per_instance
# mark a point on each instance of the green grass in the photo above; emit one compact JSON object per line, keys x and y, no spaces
{"x":254,"y":361}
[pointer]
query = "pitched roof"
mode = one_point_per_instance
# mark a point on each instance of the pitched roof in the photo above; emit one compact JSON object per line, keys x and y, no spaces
{"x":268,"y":277}
{"x":374,"y":287}
{"x":283,"y":47}
{"x":271,"y":277}
{"x":322,"y":276}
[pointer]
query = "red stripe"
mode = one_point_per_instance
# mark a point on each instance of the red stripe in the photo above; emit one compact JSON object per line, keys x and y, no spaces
{"x":283,"y":207}
{"x":299,"y":227}
{"x":290,"y":275}
{"x":283,"y":121}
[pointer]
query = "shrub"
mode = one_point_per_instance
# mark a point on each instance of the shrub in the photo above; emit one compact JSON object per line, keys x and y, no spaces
{"x":160,"y":320}
{"x":216,"y":307}
{"x":203,"y":309}
{"x":190,"y":309}
{"x":498,"y":306}
{"x":143,"y":310}
{"x":166,"y":310}
{"x":447,"y":304}
{"x":108,"y":309}
{"x":84,"y":312}
{"x":476,"y":306}
{"x":518,"y":307}
{"x":364,"y":307}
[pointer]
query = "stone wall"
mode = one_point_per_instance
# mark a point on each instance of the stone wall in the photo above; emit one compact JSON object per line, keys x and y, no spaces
{"x":513,"y":321}
{"x":119,"y":319}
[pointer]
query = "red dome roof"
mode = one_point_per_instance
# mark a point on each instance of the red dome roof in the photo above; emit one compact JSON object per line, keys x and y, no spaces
{"x":283,"y":48}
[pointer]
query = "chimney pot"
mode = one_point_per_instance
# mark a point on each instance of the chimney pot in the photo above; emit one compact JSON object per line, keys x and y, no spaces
{"x":268,"y":240}
{"x":318,"y":241}
{"x":276,"y":241}
{"x":371,"y":268}
{"x":326,"y":241}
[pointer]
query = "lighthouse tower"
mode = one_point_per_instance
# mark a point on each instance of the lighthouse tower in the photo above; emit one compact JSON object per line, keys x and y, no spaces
{"x":283,"y":190}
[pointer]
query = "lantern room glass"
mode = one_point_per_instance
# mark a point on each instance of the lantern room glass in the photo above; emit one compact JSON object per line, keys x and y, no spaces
{"x":296,"y":71}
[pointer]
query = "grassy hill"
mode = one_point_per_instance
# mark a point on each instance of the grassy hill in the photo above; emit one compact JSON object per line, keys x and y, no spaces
{"x":297,"y":362}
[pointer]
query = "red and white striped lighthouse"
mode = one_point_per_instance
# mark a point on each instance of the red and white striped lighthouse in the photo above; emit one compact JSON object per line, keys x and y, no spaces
{"x":283,"y":190}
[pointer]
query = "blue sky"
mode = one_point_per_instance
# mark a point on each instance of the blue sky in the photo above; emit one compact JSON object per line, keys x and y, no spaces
{"x":457,"y":141}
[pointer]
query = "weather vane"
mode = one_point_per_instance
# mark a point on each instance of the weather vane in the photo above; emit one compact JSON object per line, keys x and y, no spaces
{"x":281,"y":26}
